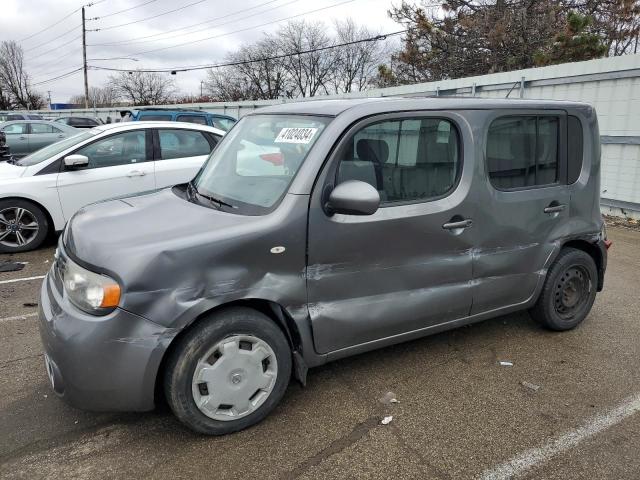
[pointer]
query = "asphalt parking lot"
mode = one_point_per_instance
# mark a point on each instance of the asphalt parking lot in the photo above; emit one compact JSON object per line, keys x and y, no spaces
{"x":568,"y":407}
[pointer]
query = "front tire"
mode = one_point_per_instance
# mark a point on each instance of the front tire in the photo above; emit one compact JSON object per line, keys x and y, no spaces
{"x":569,"y":291}
{"x":23,"y":226}
{"x":228,"y":372}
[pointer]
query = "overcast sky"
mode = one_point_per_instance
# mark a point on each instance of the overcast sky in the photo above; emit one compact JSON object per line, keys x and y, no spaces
{"x":232,"y":23}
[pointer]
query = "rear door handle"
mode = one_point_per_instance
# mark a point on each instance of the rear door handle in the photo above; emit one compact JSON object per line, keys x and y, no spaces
{"x":455,"y":225}
{"x":23,"y":138}
{"x":554,"y":208}
{"x":136,"y":173}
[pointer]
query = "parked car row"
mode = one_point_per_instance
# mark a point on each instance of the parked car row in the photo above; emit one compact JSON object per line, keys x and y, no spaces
{"x":26,"y":136}
{"x":40,"y":192}
{"x":315,"y":231}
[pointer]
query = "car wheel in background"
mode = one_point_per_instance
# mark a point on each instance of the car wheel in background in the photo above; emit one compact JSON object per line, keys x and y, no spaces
{"x":228,"y":372}
{"x":569,"y":291}
{"x":23,"y":226}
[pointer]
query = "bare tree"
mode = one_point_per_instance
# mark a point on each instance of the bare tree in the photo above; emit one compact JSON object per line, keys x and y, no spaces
{"x":106,"y":96}
{"x":228,"y":85}
{"x":299,"y":60}
{"x":143,"y":88}
{"x":310,"y":72}
{"x":266,"y":74}
{"x":15,"y":88}
{"x":356,"y":65}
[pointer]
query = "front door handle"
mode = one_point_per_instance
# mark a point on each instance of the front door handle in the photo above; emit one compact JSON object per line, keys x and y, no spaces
{"x":456,"y":225}
{"x":554,"y":208}
{"x":136,"y":173}
{"x":23,"y":138}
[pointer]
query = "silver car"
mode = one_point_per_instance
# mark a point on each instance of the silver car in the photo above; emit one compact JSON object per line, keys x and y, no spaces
{"x":26,"y":136}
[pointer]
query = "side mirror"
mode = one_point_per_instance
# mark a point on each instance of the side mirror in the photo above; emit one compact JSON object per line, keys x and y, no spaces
{"x":73,"y":162}
{"x":353,"y":197}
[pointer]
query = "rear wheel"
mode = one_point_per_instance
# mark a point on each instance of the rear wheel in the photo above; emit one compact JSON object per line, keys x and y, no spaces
{"x":23,"y":226}
{"x":229,"y":372}
{"x":569,"y":291}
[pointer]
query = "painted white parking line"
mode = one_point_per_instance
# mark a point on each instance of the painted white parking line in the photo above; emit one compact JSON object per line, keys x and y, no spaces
{"x":19,"y":317}
{"x":25,"y":279}
{"x":534,"y":457}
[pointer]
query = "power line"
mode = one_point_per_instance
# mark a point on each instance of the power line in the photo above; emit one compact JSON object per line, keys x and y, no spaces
{"x":64,"y":75}
{"x":122,"y":11}
{"x":263,"y":59}
{"x":50,"y":26}
{"x":149,"y":18}
{"x":136,"y":39}
{"x":54,"y":72}
{"x":48,"y":42}
{"x":241,"y":30}
{"x":213,"y":26}
{"x":56,"y":60}
{"x":56,"y":47}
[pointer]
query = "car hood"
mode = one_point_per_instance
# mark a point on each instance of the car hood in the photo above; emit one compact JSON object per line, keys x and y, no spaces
{"x":9,"y":171}
{"x":126,"y":234}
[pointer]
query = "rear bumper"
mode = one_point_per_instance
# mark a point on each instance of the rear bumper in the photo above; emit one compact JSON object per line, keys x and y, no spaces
{"x":106,"y":363}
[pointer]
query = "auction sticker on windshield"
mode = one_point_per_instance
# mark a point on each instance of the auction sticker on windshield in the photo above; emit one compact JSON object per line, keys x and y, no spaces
{"x":295,"y":135}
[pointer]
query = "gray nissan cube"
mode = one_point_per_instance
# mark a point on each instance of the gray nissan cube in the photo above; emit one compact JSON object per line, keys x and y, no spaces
{"x":318,"y":230}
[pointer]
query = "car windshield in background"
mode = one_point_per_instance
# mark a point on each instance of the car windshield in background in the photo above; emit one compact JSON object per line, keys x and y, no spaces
{"x":55,"y":148}
{"x":255,"y":163}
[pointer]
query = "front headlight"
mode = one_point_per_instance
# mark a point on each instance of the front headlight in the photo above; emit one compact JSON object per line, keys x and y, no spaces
{"x":89,"y":291}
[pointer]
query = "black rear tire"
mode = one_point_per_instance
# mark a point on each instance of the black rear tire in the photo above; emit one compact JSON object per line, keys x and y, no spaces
{"x":184,"y":358}
{"x":33,"y":213}
{"x":569,"y":291}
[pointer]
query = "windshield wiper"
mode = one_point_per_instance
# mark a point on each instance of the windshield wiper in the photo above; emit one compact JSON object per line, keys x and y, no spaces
{"x":215,"y":200}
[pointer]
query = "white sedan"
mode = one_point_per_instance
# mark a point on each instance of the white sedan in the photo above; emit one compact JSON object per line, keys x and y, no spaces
{"x":40,"y":193}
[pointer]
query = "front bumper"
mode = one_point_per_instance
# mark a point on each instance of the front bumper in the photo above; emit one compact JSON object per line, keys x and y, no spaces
{"x":100,"y":363}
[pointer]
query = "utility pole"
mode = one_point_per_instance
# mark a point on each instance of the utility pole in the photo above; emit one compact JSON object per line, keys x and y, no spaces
{"x":84,"y":61}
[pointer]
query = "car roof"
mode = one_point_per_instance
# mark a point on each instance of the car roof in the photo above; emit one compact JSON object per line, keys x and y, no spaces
{"x":383,"y":104}
{"x":123,"y":126}
{"x":177,"y":110}
{"x":46,"y":122}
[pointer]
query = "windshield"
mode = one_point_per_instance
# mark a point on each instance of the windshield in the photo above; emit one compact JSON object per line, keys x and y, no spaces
{"x":253,"y":166}
{"x":55,"y":148}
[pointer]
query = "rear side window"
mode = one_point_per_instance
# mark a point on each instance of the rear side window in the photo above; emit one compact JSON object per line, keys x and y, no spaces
{"x":155,"y":118}
{"x":37,"y":128}
{"x":575,"y":154}
{"x":199,"y":119}
{"x":182,"y":143}
{"x":406,"y":160}
{"x":522,"y":151}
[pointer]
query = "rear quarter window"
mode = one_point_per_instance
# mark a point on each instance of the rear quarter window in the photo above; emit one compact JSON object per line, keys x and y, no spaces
{"x":575,"y":148}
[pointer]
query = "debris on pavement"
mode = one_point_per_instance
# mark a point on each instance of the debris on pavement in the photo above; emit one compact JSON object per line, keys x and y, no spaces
{"x":8,"y":266}
{"x":387,"y":420}
{"x":30,"y":304}
{"x":389,"y":398}
{"x":506,"y":363}
{"x":530,"y":386}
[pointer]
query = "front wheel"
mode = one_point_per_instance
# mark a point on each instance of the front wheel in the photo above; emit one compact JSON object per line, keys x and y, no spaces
{"x":569,"y":291}
{"x":228,"y":372}
{"x":23,"y":226}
